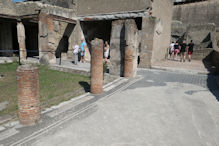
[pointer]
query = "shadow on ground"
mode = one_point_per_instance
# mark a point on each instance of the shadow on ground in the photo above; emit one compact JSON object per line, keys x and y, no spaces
{"x":213,"y":76}
{"x":85,"y":85}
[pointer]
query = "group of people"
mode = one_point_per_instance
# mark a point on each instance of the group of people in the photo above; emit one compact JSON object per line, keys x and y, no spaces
{"x":80,"y":51}
{"x":181,"y":48}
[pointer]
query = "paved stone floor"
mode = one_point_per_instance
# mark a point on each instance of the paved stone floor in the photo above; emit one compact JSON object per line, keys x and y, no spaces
{"x":162,"y":109}
{"x":159,"y":108}
{"x":194,"y":65}
{"x":70,"y":64}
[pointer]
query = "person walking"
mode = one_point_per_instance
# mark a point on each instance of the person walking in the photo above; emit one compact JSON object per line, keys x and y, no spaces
{"x":171,"y":50}
{"x":183,"y":46}
{"x":82,"y":51}
{"x":75,"y":52}
{"x":176,"y":50}
{"x":190,"y":49}
{"x":106,"y":52}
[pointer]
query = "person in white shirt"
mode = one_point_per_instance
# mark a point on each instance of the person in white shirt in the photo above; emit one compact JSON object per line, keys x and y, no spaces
{"x":106,"y":51}
{"x":171,"y":50}
{"x":75,"y":52}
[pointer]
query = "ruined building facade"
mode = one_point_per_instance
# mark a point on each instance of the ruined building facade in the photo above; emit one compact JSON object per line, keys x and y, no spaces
{"x":198,"y":21}
{"x":52,"y":27}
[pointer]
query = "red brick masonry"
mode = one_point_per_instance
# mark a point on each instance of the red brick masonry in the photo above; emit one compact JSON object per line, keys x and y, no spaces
{"x":28,"y":95}
{"x":97,"y":66}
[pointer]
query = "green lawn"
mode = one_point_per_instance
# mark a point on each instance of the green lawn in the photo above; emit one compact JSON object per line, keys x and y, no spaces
{"x":54,"y":86}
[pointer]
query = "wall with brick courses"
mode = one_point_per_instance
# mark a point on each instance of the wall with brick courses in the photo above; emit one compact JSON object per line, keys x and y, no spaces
{"x":96,"y":66}
{"x":28,"y":95}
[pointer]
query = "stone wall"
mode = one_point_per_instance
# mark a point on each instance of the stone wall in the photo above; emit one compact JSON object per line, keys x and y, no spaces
{"x":63,"y":3}
{"x":28,"y":8}
{"x":147,"y":41}
{"x":203,"y":35}
{"x":89,"y":7}
{"x":201,"y":20}
{"x":200,"y":12}
{"x":7,"y":7}
{"x":178,"y":31}
{"x":162,"y":10}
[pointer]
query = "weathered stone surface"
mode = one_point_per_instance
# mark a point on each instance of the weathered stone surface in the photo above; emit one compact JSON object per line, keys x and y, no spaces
{"x":28,"y":95}
{"x":203,"y":35}
{"x":46,"y":39}
{"x":196,"y":13}
{"x":132,"y":43}
{"x":7,"y":7}
{"x":27,"y":8}
{"x":96,"y":66}
{"x":178,"y":31}
{"x":63,"y":3}
{"x":117,"y":48}
{"x":21,"y":40}
{"x":162,"y":10}
{"x":85,"y":7}
{"x":147,"y":40}
{"x":3,"y":105}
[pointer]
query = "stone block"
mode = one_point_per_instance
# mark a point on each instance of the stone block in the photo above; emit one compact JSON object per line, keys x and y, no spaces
{"x":132,"y":43}
{"x":117,"y":48}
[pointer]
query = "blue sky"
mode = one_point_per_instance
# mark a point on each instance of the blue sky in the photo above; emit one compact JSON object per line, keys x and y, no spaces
{"x":18,"y":0}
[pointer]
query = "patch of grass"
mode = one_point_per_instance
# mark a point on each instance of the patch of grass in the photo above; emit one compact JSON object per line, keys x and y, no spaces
{"x":53,"y":86}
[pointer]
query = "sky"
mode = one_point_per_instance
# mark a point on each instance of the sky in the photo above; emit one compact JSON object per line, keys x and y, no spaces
{"x":18,"y":0}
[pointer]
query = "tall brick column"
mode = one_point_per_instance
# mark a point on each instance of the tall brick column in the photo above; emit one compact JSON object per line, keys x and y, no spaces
{"x":96,"y":66}
{"x":21,"y":40}
{"x":46,"y":39}
{"x":28,"y":95}
{"x":132,"y":43}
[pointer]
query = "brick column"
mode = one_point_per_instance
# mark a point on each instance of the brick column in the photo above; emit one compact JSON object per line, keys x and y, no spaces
{"x":132,"y":43}
{"x":117,"y":46}
{"x":96,"y":66}
{"x":28,"y":95}
{"x":21,"y":40}
{"x":46,"y":39}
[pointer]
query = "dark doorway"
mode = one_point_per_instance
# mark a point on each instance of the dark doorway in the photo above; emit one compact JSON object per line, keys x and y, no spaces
{"x":64,"y":42}
{"x":31,"y":31}
{"x":96,"y":29}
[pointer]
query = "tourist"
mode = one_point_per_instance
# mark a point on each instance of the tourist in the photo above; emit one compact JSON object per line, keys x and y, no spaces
{"x":176,"y":50}
{"x":190,"y":49}
{"x":75,"y":52}
{"x":106,"y":52}
{"x":183,"y":46}
{"x":82,"y":51}
{"x":171,"y":50}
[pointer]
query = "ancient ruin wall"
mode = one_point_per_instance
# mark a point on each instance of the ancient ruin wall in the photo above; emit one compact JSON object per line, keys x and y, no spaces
{"x":162,"y":10}
{"x":196,"y":13}
{"x":89,"y":7}
{"x":7,"y":7}
{"x":62,"y":3}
